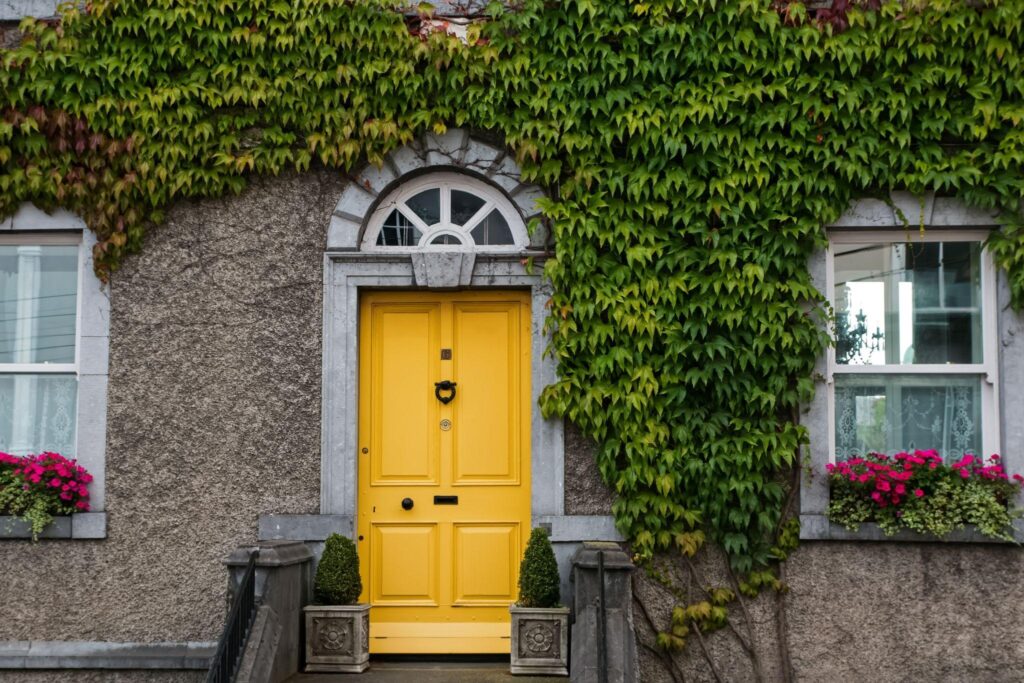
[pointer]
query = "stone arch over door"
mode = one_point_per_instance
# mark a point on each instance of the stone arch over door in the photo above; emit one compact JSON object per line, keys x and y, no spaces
{"x":455,"y":151}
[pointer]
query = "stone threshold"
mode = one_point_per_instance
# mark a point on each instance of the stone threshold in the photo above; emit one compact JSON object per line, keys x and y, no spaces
{"x":819,"y":528}
{"x":87,"y":654}
{"x":80,"y":526}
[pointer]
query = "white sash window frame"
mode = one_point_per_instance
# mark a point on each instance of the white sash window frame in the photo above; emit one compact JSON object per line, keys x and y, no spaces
{"x":30,"y":225}
{"x":988,"y":369}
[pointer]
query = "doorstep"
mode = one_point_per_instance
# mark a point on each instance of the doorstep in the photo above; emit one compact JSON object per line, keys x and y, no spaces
{"x":428,"y":672}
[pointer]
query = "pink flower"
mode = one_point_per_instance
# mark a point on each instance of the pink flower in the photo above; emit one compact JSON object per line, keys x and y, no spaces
{"x":919,"y":492}
{"x":55,"y":482}
{"x":965,"y":474}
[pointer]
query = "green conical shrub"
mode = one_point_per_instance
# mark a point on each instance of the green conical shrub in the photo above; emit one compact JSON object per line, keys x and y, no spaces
{"x":538,"y":574}
{"x":337,"y":576}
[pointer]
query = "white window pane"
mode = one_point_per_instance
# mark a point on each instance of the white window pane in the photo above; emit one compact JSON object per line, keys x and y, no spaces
{"x":493,"y":230}
{"x":37,"y":413}
{"x":908,"y":303}
{"x":398,"y":231}
{"x":427,"y":205}
{"x":892,"y":413}
{"x":464,"y":206}
{"x":38,"y":303}
{"x":446,"y":239}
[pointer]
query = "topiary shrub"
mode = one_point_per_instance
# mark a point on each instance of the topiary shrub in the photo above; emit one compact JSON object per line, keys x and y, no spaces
{"x":337,"y":576}
{"x":538,"y":573}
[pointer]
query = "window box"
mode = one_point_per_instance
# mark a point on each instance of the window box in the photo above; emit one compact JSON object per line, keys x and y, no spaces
{"x":819,"y":528}
{"x":81,"y":526}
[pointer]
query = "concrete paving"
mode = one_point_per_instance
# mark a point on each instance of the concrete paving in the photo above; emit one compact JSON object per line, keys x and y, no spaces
{"x":428,"y":672}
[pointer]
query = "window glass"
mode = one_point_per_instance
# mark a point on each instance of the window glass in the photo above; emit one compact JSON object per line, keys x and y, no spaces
{"x":398,"y":231}
{"x":464,"y":206}
{"x":446,"y":239}
{"x":908,"y":303}
{"x":38,"y":303}
{"x":427,"y":205}
{"x":37,"y":413}
{"x":493,"y":230}
{"x":891,"y":413}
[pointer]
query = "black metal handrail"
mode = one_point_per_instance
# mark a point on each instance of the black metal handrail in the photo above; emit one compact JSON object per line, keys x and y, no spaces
{"x":224,"y":665}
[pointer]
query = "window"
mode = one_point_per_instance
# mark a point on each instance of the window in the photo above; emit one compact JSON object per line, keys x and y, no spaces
{"x":54,"y":348}
{"x":39,"y":304}
{"x":445,"y":211}
{"x":914,"y":364}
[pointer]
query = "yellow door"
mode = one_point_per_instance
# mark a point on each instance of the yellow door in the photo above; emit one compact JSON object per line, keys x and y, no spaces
{"x":444,"y":473}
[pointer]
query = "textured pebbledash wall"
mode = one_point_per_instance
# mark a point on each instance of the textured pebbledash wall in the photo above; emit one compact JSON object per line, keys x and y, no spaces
{"x":585,"y":491}
{"x":214,"y":418}
{"x":864,"y":611}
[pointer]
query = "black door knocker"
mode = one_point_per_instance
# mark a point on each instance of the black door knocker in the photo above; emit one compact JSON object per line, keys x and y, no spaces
{"x":446,"y":385}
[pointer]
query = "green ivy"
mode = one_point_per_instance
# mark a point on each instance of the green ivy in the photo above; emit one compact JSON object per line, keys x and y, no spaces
{"x":693,"y":150}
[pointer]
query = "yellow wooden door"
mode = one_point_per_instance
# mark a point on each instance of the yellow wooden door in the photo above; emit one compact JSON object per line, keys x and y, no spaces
{"x":441,"y":574}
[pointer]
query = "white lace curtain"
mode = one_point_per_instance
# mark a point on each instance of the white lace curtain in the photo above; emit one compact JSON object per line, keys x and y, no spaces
{"x":904,"y":415}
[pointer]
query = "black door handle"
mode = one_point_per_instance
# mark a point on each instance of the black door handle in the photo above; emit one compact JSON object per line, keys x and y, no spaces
{"x":407,"y":503}
{"x":446,"y":385}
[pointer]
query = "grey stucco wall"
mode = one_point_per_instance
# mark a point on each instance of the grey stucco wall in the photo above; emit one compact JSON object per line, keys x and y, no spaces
{"x":585,"y":491}
{"x":214,"y":418}
{"x":864,"y":611}
{"x":906,"y":612}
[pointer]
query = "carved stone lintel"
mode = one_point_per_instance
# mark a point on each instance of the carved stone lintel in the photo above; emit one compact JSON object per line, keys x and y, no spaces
{"x":443,"y":269}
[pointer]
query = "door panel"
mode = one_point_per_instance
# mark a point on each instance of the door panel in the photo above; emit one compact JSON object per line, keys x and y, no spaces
{"x":486,"y":449}
{"x":407,"y":447}
{"x":441,"y":571}
{"x":484,"y":557}
{"x":404,"y":564}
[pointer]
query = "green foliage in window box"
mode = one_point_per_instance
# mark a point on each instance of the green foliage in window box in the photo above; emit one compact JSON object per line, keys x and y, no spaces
{"x":917,"y":491}
{"x":539,"y":584}
{"x":337,"y":579}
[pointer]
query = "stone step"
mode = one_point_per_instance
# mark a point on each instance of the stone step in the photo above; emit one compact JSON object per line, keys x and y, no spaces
{"x":428,"y":672}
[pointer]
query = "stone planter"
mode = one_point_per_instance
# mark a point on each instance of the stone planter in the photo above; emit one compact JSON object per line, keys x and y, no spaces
{"x":337,"y":638}
{"x":540,"y":640}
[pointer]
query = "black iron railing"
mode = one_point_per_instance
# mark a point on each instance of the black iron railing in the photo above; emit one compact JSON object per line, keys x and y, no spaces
{"x":236,"y":629}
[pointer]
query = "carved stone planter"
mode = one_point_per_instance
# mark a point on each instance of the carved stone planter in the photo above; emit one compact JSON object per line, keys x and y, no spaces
{"x":540,"y":640}
{"x":337,"y":638}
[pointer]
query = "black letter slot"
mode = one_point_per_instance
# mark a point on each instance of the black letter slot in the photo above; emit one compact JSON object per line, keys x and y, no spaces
{"x":446,"y":500}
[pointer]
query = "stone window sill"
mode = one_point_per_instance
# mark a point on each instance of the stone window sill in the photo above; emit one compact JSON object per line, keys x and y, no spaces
{"x":81,"y":526}
{"x":819,"y":528}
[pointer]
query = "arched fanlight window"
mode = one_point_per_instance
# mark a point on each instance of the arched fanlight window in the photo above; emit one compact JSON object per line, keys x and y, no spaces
{"x":446,"y":211}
